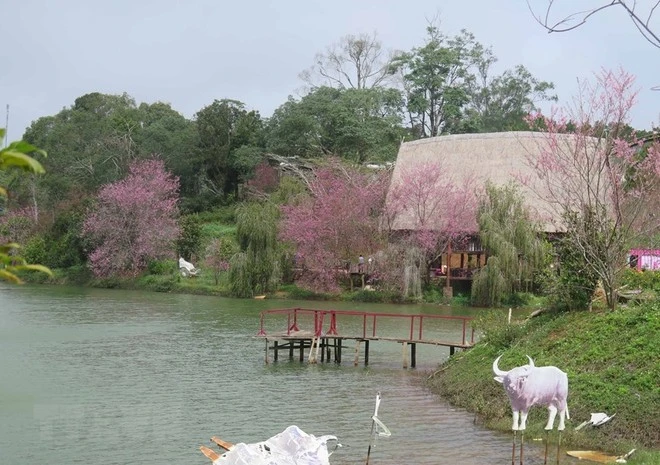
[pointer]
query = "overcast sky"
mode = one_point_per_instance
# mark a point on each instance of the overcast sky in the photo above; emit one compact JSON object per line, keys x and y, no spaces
{"x":190,"y":52}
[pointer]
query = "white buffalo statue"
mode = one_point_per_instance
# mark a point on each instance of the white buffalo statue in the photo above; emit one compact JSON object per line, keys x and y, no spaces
{"x":529,"y":385}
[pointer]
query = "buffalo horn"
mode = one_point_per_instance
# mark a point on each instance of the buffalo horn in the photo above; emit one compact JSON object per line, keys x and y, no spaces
{"x":496,"y":369}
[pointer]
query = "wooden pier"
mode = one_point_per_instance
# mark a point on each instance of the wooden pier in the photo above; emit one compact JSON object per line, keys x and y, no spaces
{"x":321,"y":335}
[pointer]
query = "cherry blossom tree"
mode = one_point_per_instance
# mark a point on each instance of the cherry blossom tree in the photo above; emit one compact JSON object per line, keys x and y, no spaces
{"x":602,"y":181}
{"x":134,"y":221}
{"x":336,"y":223}
{"x":432,"y":207}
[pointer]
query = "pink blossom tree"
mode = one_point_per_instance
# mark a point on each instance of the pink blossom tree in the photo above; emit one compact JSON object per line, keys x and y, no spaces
{"x":336,"y":223}
{"x":432,"y":207}
{"x":134,"y":221}
{"x":602,"y":181}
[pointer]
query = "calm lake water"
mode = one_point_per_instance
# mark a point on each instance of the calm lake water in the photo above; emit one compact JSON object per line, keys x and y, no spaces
{"x":104,"y":376}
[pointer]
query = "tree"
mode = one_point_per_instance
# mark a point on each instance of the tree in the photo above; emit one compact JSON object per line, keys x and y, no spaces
{"x":92,"y":142}
{"x":135,"y":220}
{"x":224,"y":127}
{"x":501,"y":103}
{"x":641,"y":19}
{"x":16,"y":155}
{"x":336,"y":223}
{"x":356,"y":62}
{"x":515,"y":248}
{"x":432,"y":208}
{"x":190,"y":237}
{"x":356,"y":124}
{"x":218,"y":254}
{"x":255,"y":268}
{"x":603,"y":182}
{"x":435,"y":81}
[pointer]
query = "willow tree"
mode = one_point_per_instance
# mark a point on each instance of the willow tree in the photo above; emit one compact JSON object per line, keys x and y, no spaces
{"x":255,"y":269}
{"x":512,"y":240}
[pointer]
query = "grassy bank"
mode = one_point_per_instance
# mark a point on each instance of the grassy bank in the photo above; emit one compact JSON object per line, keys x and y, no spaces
{"x":613,"y":365}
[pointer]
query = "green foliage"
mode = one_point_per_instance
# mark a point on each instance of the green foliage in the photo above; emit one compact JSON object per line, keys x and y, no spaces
{"x":572,"y":288}
{"x":189,"y":241}
{"x":162,"y":267}
{"x":65,"y":244}
{"x":645,"y":280}
{"x":35,"y":250}
{"x":502,"y":103}
{"x":496,"y":331}
{"x":213,"y":230}
{"x":293,"y":292}
{"x":159,"y":282}
{"x":255,"y":269}
{"x":227,"y":132}
{"x":519,"y":299}
{"x":289,"y":191}
{"x":356,"y":124}
{"x":219,"y":253}
{"x":17,"y":155}
{"x":224,"y":214}
{"x":515,"y":249}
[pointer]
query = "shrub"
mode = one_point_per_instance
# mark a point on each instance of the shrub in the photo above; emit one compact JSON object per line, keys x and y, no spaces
{"x":497,"y":331}
{"x":645,"y":280}
{"x":162,"y":267}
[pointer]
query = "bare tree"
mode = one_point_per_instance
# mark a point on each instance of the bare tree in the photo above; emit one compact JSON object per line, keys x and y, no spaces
{"x":640,"y":13}
{"x":357,"y":62}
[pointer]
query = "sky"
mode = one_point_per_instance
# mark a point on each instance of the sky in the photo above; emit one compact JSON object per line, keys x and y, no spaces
{"x":188,"y":53}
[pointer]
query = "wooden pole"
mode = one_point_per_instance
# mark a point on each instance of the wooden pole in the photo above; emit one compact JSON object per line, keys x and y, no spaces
{"x":413,"y":355}
{"x":266,"y":351}
{"x":404,"y":349}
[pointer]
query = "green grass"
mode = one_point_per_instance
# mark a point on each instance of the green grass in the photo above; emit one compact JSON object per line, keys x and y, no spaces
{"x":613,"y":365}
{"x":218,"y":230}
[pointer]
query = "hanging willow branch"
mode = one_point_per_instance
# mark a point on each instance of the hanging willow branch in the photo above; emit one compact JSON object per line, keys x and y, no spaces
{"x":514,"y":246}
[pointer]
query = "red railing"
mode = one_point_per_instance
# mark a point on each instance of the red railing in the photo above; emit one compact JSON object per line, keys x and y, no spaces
{"x":370,"y":320}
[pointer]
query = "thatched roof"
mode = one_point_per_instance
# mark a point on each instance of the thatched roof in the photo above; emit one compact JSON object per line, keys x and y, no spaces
{"x":499,"y":157}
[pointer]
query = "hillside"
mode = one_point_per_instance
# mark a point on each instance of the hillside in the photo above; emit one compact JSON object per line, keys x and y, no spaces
{"x":613,"y":364}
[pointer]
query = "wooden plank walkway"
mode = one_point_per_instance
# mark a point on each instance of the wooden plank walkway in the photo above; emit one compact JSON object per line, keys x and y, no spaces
{"x":318,"y":332}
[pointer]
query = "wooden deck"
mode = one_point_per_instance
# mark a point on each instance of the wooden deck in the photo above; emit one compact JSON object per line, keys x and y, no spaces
{"x":323,"y":335}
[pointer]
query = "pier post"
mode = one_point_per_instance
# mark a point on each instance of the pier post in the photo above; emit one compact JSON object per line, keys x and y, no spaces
{"x":275,"y":350}
{"x":366,"y":352}
{"x":266,"y":351}
{"x":357,"y":353}
{"x":302,"y":350}
{"x":413,"y":355}
{"x":404,"y":348}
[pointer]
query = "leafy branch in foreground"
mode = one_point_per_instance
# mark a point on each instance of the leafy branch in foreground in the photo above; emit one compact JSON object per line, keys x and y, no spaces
{"x":17,"y":155}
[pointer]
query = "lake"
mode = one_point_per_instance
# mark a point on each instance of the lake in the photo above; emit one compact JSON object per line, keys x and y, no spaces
{"x":116,"y":377}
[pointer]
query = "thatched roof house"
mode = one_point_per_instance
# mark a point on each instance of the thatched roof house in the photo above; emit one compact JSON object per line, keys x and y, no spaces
{"x":496,"y":157}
